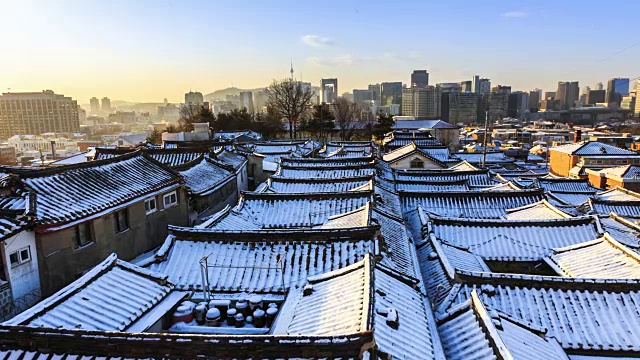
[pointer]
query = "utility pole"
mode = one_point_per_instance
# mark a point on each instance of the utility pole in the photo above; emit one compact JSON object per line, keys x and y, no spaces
{"x":484,"y":140}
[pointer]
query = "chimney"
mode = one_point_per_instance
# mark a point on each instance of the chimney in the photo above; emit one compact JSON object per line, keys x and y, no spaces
{"x":577,"y":136}
{"x":53,"y":149}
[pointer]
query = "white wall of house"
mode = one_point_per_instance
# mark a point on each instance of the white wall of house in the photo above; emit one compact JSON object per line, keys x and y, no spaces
{"x":405,"y":163}
{"x":242,"y":178}
{"x":24,"y":277}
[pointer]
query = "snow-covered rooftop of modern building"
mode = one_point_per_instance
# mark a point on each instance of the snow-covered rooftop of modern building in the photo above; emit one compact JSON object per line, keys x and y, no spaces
{"x":589,"y":148}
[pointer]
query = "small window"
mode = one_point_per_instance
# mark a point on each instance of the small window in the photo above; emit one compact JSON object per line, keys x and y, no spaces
{"x":83,"y":235}
{"x":170,"y":199}
{"x":417,"y":164}
{"x":150,"y":205}
{"x":120,"y":221}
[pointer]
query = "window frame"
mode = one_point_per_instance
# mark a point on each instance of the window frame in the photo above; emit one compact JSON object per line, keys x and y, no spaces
{"x":117,"y":225}
{"x":88,"y":235}
{"x":148,"y":210}
{"x":415,"y":161}
{"x":171,"y":203}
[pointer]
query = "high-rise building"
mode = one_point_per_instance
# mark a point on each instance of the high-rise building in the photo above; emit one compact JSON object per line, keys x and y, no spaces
{"x":501,"y":89}
{"x":535,"y":96}
{"x":94,"y":105}
{"x":629,"y":102}
{"x":599,"y":86}
{"x":391,"y":93}
{"x":36,"y":113}
{"x":106,"y":105}
{"x":246,"y":101}
{"x":518,"y":104}
{"x":260,"y":100}
{"x":193,"y":97}
{"x":466,"y":86}
{"x":583,"y":95}
{"x":329,"y":90}
{"x":449,"y":87}
{"x":419,"y":78}
{"x":479,"y":85}
{"x":498,"y":103}
{"x":596,"y":96}
{"x":463,"y":107}
{"x":636,"y":111}
{"x":376,"y":89}
{"x":568,"y":94}
{"x":421,"y":102}
{"x":616,"y":89}
{"x":362,"y":96}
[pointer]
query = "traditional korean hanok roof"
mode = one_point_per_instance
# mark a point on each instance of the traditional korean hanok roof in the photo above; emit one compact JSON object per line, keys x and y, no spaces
{"x":20,"y":342}
{"x":472,"y":331}
{"x":363,"y":147}
{"x":445,"y":185}
{"x":233,"y":135}
{"x":622,"y":230}
{"x":286,"y":211}
{"x":367,"y":296}
{"x":492,"y":158}
{"x":603,"y":258}
{"x":13,"y":224}
{"x":77,"y":191}
{"x":398,"y":138}
{"x":110,"y":297}
{"x":287,"y":185}
{"x":327,"y":163}
{"x":483,"y":204}
{"x":474,"y":177}
{"x":582,"y":314}
{"x":621,"y":201}
{"x":463,"y":166}
{"x":592,"y":148}
{"x":279,"y":147}
{"x":566,"y":185}
{"x":570,"y":198}
{"x":438,"y":262}
{"x":170,"y":157}
{"x":399,"y":251}
{"x":507,"y":240}
{"x":508,"y":186}
{"x":298,"y":172}
{"x":257,"y":261}
{"x":536,"y":211}
{"x":410,"y":150}
{"x":387,"y":201}
{"x":230,"y":158}
{"x":204,"y":175}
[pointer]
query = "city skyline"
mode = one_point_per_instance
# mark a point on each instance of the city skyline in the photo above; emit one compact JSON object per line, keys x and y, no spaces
{"x":147,"y":51}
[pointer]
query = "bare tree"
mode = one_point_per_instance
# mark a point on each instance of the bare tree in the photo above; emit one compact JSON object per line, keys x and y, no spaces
{"x":291,"y":100}
{"x":345,"y":112}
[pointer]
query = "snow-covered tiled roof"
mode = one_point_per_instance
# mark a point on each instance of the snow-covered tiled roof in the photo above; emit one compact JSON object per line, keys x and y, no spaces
{"x":570,"y":198}
{"x":230,"y":158}
{"x":472,"y":331}
{"x":326,"y":163}
{"x":253,"y":262}
{"x":422,"y":124}
{"x":492,"y":158}
{"x":566,"y":185}
{"x":626,"y":172}
{"x":617,"y":194}
{"x":582,"y":314}
{"x":622,"y":230}
{"x":203,"y":176}
{"x":439,"y":156}
{"x":603,"y":258}
{"x":77,"y":191}
{"x":536,"y":211}
{"x":286,"y":211}
{"x":620,"y":201}
{"x":592,"y":148}
{"x":367,"y":296}
{"x":170,"y":157}
{"x":400,"y":252}
{"x":446,"y":185}
{"x":110,"y":297}
{"x":483,"y":204}
{"x":12,"y":224}
{"x":284,"y":185}
{"x":507,"y":240}
{"x":474,"y":177}
{"x":298,"y":172}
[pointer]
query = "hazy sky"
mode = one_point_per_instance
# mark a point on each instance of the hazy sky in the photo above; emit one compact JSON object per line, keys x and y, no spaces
{"x":149,"y":50}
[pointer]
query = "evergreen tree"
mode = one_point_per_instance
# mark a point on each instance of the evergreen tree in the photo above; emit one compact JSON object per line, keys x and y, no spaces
{"x":383,"y":125}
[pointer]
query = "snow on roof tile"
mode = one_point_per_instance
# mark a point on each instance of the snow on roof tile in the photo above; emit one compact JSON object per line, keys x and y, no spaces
{"x":170,"y":157}
{"x":450,"y":185}
{"x":110,"y":297}
{"x":539,"y":210}
{"x":422,"y":124}
{"x":604,"y":258}
{"x":280,"y":211}
{"x":492,"y":158}
{"x":252,"y":265}
{"x":506,"y":240}
{"x":326,"y":163}
{"x":570,"y":198}
{"x":622,"y":230}
{"x":325,"y":173}
{"x":472,"y":331}
{"x":620,"y":201}
{"x":285,"y":185}
{"x":475,"y":178}
{"x":71,"y":192}
{"x":230,"y":158}
{"x":360,"y":298}
{"x":205,"y":176}
{"x":483,"y":204}
{"x":566,"y":185}
{"x":581,"y":314}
